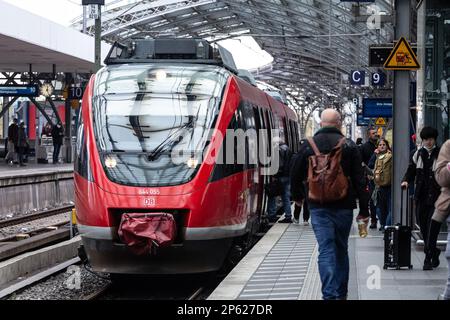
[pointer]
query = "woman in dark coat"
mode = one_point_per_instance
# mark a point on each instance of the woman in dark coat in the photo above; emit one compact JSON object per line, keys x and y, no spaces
{"x":421,"y":171}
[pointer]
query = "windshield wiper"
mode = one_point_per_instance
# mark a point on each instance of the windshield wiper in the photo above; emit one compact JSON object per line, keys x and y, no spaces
{"x":158,"y":151}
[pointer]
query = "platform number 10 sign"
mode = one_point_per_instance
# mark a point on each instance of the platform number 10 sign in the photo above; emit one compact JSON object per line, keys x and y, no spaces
{"x":76,"y":93}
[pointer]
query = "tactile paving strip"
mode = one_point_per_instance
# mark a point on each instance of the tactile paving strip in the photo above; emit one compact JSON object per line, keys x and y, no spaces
{"x":282,"y":273}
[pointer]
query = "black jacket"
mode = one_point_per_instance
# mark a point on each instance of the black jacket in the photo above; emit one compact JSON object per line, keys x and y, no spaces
{"x":13,"y":133}
{"x":326,"y":139}
{"x":57,"y":135}
{"x":367,"y":149}
{"x":22,"y":138}
{"x":420,"y":171}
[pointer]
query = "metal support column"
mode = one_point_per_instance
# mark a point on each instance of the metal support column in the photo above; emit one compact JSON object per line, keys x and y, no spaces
{"x":400,"y":111}
{"x":68,"y":121}
{"x":98,"y":36}
{"x":68,"y":132}
{"x":39,"y":107}
{"x":7,"y":106}
{"x":55,"y":111}
{"x":5,"y":118}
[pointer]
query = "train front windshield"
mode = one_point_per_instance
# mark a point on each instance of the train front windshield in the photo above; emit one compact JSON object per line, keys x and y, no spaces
{"x":152,"y":121}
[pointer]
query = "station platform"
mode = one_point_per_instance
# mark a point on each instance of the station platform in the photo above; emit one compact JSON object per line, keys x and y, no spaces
{"x":7,"y":171}
{"x":34,"y":187}
{"x":283,"y":266}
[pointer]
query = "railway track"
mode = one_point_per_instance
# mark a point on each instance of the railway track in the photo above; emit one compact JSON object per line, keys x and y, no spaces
{"x":34,"y":216}
{"x":18,"y":241}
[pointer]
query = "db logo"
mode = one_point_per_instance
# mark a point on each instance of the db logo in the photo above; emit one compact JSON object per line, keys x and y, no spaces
{"x":149,"y":202}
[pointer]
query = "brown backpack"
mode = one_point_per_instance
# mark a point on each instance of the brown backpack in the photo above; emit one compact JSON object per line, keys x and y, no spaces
{"x":326,"y":179}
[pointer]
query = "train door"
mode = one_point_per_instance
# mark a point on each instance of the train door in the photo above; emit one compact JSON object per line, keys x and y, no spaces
{"x":251,"y":165}
{"x":266,"y":145}
{"x":261,"y":142}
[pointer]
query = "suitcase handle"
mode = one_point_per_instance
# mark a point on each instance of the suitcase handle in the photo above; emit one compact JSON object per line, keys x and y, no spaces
{"x":407,"y":206}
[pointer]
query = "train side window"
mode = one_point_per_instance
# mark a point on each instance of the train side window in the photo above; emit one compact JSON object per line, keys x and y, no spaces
{"x":81,"y":165}
{"x":294,"y":132}
{"x":293,"y":139}
{"x":269,"y":132}
{"x":258,"y":125}
{"x":287,"y":139}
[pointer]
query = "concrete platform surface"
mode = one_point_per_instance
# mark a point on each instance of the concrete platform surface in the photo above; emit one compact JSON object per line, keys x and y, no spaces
{"x":7,"y":171}
{"x":283,"y":266}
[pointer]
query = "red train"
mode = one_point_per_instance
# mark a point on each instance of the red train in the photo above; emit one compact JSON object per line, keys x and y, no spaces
{"x":153,"y":97}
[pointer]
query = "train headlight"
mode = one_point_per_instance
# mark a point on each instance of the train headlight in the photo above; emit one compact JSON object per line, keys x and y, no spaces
{"x":160,"y":75}
{"x":192,"y":163}
{"x":110,"y":162}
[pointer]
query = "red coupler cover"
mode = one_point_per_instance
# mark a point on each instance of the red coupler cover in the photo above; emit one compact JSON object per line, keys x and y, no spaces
{"x":143,"y":232}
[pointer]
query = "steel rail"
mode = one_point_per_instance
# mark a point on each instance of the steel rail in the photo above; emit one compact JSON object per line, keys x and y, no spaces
{"x":35,"y":216}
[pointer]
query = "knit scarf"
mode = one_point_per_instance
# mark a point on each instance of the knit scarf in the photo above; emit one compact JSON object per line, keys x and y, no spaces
{"x":418,"y":160}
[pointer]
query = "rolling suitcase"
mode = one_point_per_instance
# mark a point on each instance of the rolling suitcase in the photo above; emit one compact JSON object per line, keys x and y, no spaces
{"x":397,"y":242}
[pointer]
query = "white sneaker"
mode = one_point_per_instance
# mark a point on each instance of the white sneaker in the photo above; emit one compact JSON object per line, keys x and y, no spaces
{"x":305,"y":223}
{"x":295,"y":221}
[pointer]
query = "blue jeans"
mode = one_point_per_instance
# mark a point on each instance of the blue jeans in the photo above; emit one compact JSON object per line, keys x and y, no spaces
{"x":332,"y":230}
{"x":56,"y":149}
{"x":286,"y":197}
{"x":384,"y":208}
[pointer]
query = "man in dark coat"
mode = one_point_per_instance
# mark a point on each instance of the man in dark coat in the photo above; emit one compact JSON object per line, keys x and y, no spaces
{"x":22,"y":142}
{"x":13,"y":136}
{"x":367,"y":150}
{"x":57,"y":136}
{"x":421,"y":171}
{"x":332,"y":221}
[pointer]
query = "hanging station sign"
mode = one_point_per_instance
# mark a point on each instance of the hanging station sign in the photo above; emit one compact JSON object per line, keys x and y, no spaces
{"x":19,"y":90}
{"x":377,"y":108}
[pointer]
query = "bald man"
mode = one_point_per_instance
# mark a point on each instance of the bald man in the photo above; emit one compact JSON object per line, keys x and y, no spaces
{"x":332,"y":221}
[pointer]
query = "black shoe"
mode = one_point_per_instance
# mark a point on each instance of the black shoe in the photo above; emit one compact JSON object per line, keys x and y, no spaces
{"x":381,"y":228}
{"x":272,"y":219}
{"x":427,"y":264}
{"x":373,"y":225}
{"x":285,"y":220}
{"x":435,"y":258}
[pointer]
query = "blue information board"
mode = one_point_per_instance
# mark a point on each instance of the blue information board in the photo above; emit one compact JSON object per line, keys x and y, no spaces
{"x":376,"y":108}
{"x":362,"y":121}
{"x":19,"y":90}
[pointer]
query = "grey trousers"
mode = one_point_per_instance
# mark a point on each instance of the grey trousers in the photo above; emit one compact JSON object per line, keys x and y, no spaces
{"x":447,"y":255}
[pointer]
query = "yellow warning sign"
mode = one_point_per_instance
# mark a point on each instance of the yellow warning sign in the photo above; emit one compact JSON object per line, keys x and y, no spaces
{"x":402,"y":57}
{"x":380,"y":122}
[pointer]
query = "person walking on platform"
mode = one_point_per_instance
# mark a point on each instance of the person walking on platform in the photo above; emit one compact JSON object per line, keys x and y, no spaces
{"x":13,"y":135}
{"x":367,"y":150}
{"x":297,"y":210}
{"x":282,"y":175}
{"x":331,"y":195}
{"x":442,"y":211}
{"x":421,"y":170}
{"x":21,"y":143}
{"x":57,"y":136}
{"x":382,"y":177}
